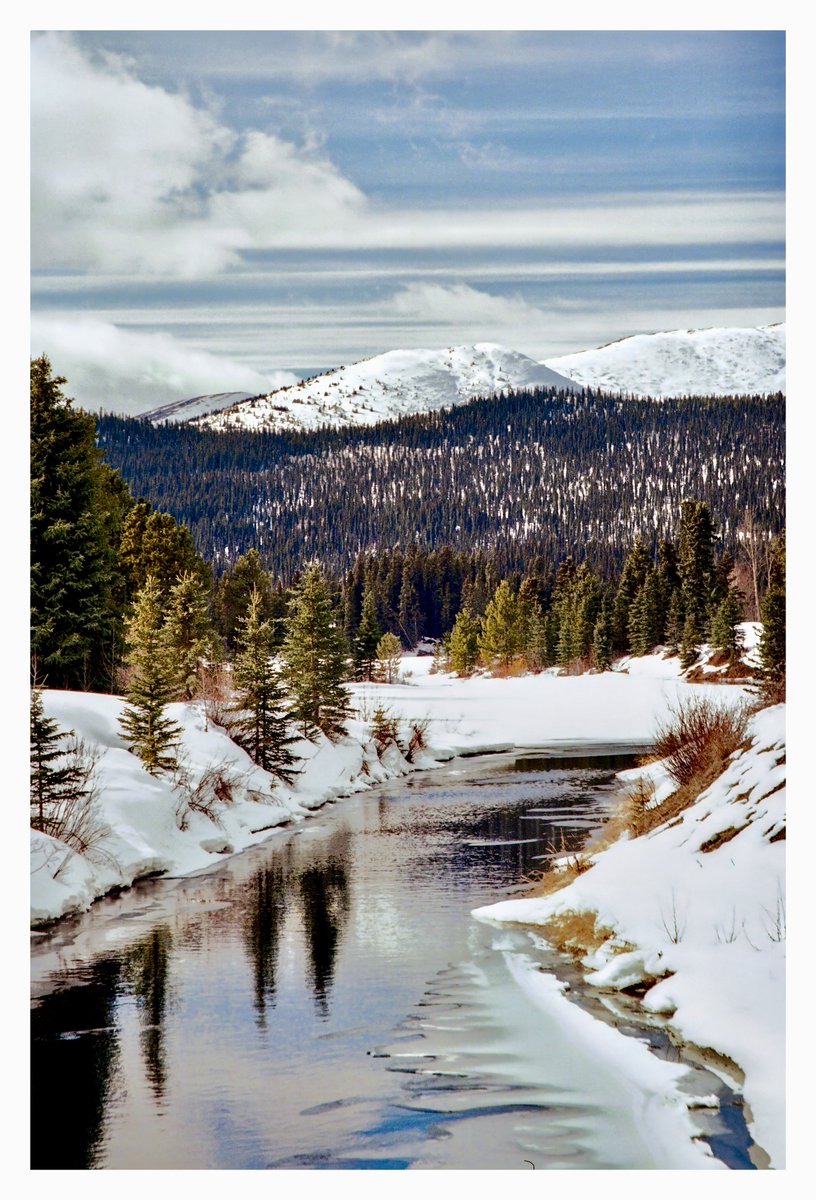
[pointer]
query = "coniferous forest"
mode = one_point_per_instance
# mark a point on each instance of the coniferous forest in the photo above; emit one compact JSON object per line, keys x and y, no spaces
{"x":534,"y":474}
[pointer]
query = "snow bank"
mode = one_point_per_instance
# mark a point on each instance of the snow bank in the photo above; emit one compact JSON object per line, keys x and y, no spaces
{"x":701,"y":899}
{"x":622,"y":706}
{"x":148,"y":824}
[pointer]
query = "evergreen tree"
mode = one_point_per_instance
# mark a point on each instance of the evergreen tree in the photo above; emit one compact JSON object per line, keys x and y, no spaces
{"x":695,"y":560}
{"x":602,"y":637}
{"x":675,"y":619}
{"x":410,"y":614}
{"x":188,"y":633}
{"x":637,"y":566}
{"x":645,"y":624}
{"x":499,"y":639}
{"x":154,"y":544}
{"x":233,"y":591}
{"x":54,"y":781}
{"x":151,"y":734}
{"x":536,"y":650}
{"x":368,"y":635}
{"x":724,"y":634}
{"x":689,"y":644}
{"x":261,"y":725}
{"x":75,"y":507}
{"x":772,"y":639}
{"x":463,"y":642}
{"x":389,"y":656}
{"x":315,"y":656}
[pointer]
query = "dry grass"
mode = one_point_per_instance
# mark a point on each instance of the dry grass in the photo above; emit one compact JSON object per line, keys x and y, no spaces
{"x":577,"y":933}
{"x":699,"y":734}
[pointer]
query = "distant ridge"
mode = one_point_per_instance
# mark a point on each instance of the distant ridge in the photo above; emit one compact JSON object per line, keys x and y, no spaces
{"x":684,"y":362}
{"x":394,"y":384}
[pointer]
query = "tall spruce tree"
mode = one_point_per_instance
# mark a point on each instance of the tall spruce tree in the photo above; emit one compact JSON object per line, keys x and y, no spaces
{"x":315,"y":656}
{"x":74,"y":507}
{"x":151,"y":734}
{"x":772,"y":640}
{"x":261,"y":724}
{"x":637,"y":566}
{"x":232,"y":593}
{"x":367,"y":637}
{"x":500,"y":635}
{"x":695,"y":563}
{"x":55,"y":780}
{"x":724,"y":632}
{"x":463,"y":642}
{"x":602,"y":637}
{"x":188,"y":632}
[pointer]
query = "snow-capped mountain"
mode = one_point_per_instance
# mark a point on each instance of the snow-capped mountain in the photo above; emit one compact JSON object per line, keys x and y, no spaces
{"x":394,"y":384}
{"x":684,"y":362}
{"x":198,"y":406}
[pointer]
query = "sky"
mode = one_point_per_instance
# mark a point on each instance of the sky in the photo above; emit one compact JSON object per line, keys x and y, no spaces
{"x":226,"y":211}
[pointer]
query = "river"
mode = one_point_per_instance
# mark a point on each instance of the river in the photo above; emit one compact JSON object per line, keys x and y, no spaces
{"x":326,"y":1001}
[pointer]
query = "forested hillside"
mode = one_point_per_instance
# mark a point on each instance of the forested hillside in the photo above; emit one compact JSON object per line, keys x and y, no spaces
{"x":536,"y":473}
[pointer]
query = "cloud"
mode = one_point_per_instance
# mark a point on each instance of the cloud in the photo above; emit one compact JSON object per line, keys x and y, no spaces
{"x":124,"y":371}
{"x":463,"y":306}
{"x":132,"y":178}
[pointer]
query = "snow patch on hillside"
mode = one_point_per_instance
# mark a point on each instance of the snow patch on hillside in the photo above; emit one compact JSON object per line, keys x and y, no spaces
{"x":702,"y":900}
{"x":684,"y":362}
{"x":394,"y":384}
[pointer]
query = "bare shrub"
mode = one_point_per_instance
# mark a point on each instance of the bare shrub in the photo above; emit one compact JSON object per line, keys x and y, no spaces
{"x":73,"y":818}
{"x":699,"y":733}
{"x":384,"y":726}
{"x":418,"y":738}
{"x":215,"y":689}
{"x":213,"y":792}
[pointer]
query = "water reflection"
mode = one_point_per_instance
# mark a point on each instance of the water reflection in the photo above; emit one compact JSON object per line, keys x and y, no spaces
{"x":74,"y":1053}
{"x":265,"y":910}
{"x":325,"y":904}
{"x":146,"y":967}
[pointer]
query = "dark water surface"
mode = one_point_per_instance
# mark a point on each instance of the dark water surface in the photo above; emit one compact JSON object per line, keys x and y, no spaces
{"x":326,"y":1000}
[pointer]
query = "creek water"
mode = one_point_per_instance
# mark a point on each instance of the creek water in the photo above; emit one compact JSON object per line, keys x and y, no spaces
{"x":326,"y":1000}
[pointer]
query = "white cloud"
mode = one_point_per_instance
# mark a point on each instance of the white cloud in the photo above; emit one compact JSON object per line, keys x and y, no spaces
{"x":462,"y":306}
{"x":131,"y":178}
{"x":124,"y":371}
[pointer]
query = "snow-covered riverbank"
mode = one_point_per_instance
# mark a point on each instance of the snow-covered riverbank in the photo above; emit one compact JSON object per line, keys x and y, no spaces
{"x":694,"y":914}
{"x":156,"y":825}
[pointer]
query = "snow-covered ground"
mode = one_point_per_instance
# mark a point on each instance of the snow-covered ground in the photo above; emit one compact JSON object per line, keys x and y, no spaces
{"x":197,"y":406}
{"x":150,"y":825}
{"x":394,"y":384}
{"x":684,"y":362}
{"x":696,"y":910}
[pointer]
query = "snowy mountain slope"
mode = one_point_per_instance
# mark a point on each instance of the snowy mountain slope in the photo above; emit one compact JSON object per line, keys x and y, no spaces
{"x":198,"y":406}
{"x":394,"y":384}
{"x":683,"y":362}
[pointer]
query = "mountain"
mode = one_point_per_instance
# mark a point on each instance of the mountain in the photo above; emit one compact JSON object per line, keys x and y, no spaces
{"x":199,"y":406}
{"x":395,"y":384}
{"x":684,"y":362}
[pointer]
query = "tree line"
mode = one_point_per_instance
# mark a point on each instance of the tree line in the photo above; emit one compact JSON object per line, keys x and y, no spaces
{"x":122,"y":599}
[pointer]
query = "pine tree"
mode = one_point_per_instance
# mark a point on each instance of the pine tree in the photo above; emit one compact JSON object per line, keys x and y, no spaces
{"x":188,"y":633}
{"x":645,"y":625}
{"x":389,"y":655}
{"x":154,"y":544}
{"x":499,"y":639}
{"x":52,"y":785}
{"x":463,"y":642}
{"x":536,"y":649}
{"x":637,"y":566}
{"x":151,"y":734}
{"x":602,"y":637}
{"x":74,"y":508}
{"x":261,"y":725}
{"x":772,"y":639}
{"x":675,"y":618}
{"x":368,"y":635}
{"x":410,"y":614}
{"x":232,"y":593}
{"x":695,"y":561}
{"x":724,"y":635}
{"x":689,"y":645}
{"x":315,"y":656}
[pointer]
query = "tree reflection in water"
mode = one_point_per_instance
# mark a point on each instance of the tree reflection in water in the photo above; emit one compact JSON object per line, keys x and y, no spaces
{"x":325,"y":904}
{"x":146,"y":966}
{"x":266,"y":905}
{"x":74,"y":1054}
